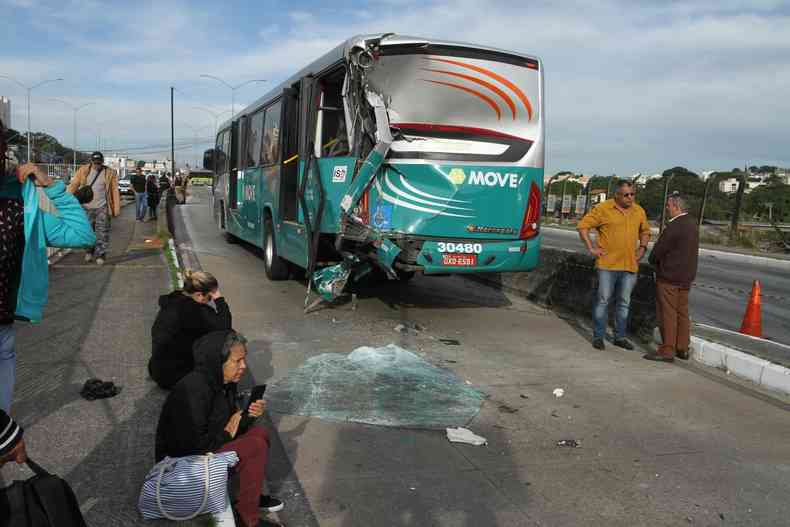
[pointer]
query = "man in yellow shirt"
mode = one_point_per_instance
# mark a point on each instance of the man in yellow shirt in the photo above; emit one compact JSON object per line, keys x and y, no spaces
{"x":620,"y":224}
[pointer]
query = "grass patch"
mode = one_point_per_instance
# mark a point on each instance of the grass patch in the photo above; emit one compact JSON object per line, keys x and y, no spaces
{"x":172,"y":263}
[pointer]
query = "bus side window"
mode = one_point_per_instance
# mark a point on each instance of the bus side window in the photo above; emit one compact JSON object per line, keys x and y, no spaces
{"x":254,"y":134}
{"x":334,"y":135}
{"x":270,"y":149}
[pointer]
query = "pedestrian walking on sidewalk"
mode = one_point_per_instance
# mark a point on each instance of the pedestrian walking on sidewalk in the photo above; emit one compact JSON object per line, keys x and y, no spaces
{"x":23,"y":251}
{"x":183,"y":318}
{"x":106,"y":202}
{"x":674,"y":257}
{"x":202,"y":415}
{"x":623,"y":234}
{"x":139,"y":184}
{"x":152,"y":191}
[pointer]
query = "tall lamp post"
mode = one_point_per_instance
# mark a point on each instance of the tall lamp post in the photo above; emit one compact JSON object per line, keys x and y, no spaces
{"x":75,"y":109}
{"x":29,"y":89}
{"x":232,"y":90}
{"x":214,"y":114}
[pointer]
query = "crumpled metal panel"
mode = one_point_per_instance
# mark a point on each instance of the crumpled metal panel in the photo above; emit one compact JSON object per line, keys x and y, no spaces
{"x":386,"y":386}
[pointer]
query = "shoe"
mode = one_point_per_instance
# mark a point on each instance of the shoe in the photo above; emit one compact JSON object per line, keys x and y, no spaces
{"x":270,"y":504}
{"x":622,"y":343}
{"x":658,"y":358}
{"x":598,"y":344}
{"x":682,"y":354}
{"x":88,"y":257}
{"x":99,"y":261}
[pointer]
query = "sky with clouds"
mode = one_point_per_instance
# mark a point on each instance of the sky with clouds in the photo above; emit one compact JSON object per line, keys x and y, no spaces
{"x":631,"y":86}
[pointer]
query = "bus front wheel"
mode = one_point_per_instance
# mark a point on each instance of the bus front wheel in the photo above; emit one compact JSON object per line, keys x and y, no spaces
{"x":276,"y":268}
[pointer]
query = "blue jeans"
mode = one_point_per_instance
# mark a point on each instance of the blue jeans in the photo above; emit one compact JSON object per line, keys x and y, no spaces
{"x":608,"y":282}
{"x":7,"y":366}
{"x":140,"y":204}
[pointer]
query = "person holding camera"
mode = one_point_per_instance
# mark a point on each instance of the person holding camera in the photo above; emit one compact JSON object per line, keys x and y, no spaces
{"x":201,"y":415}
{"x":96,"y":186}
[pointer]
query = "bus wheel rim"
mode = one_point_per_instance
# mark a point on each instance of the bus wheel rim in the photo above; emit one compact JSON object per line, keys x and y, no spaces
{"x":269,"y":248}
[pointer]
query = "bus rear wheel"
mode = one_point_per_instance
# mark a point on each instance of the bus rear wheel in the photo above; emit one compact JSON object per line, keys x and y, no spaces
{"x":275,"y":267}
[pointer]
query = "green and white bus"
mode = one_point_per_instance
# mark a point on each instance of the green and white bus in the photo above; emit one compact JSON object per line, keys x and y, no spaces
{"x":399,"y":153}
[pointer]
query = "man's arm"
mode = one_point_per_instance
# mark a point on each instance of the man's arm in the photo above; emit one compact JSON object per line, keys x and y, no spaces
{"x":116,"y":194}
{"x":591,"y":220}
{"x":644,"y":237}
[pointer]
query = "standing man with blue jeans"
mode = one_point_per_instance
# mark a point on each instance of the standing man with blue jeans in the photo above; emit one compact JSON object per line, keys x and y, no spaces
{"x":623,"y":234}
{"x":140,"y":195}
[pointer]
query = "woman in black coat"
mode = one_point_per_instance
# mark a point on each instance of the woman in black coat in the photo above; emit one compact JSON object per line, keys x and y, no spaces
{"x":201,"y":415}
{"x":184,"y":317}
{"x":152,"y":189}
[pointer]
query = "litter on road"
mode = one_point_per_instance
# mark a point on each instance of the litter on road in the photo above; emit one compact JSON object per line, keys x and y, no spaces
{"x":464,"y":435}
{"x":558,"y":392}
{"x":571,"y":443}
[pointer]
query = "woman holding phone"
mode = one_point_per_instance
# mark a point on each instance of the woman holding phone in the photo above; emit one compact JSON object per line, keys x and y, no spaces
{"x":183,"y":318}
{"x":201,"y":415}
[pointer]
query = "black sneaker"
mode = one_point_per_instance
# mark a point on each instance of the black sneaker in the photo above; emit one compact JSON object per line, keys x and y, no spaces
{"x":622,"y":343}
{"x":598,"y":344}
{"x":270,"y":504}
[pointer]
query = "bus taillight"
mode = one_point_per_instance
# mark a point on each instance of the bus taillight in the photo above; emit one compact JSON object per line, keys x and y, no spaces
{"x":531,"y":224}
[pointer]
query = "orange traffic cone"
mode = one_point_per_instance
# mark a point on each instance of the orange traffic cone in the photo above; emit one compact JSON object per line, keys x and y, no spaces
{"x":752,"y":320}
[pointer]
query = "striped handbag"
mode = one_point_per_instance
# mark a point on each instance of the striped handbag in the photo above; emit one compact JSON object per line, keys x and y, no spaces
{"x":182,"y":488}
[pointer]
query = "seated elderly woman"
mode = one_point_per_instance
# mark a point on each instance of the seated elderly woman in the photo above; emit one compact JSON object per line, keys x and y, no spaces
{"x":201,"y":415}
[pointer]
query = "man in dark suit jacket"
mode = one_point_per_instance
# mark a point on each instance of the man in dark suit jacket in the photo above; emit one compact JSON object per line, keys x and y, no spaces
{"x":674,"y":257}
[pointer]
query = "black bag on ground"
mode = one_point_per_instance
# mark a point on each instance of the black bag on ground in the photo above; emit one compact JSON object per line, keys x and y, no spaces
{"x":45,"y":500}
{"x":84,"y":194}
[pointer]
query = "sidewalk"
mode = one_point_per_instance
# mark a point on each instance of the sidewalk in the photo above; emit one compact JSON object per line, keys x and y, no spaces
{"x":97,"y":324}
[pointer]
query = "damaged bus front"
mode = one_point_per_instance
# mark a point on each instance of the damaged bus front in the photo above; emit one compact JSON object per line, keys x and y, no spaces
{"x":406,"y":154}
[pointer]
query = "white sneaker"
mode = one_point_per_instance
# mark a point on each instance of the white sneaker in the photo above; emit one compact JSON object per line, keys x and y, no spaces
{"x":88,"y":257}
{"x":99,"y":261}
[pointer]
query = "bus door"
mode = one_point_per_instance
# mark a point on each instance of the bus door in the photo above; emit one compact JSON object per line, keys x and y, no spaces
{"x":233,"y":172}
{"x":290,"y":235}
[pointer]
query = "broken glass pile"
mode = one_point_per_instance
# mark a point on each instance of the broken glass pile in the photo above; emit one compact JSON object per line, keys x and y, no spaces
{"x":386,"y":386}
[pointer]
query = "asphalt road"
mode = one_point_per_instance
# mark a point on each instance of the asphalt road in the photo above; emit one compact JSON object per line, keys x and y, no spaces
{"x":660,"y":445}
{"x":722,"y":288}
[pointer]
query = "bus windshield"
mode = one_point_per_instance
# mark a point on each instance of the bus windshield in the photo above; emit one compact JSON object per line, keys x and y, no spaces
{"x":456,"y":104}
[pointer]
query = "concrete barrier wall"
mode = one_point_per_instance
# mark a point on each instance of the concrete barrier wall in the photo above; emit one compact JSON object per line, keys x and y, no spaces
{"x":567,"y":281}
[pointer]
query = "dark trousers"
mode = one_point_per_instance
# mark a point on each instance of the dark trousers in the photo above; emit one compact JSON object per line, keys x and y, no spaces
{"x":253,"y":451}
{"x":672,"y":310}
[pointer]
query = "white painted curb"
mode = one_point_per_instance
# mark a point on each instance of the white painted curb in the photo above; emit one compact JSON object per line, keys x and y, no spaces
{"x":740,"y":364}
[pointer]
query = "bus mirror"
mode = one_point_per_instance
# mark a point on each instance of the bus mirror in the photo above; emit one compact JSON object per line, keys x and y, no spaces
{"x":208,"y":159}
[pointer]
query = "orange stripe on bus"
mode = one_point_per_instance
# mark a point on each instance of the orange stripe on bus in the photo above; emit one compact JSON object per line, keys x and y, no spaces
{"x":496,"y":76}
{"x":491,"y":102}
{"x":481,"y":82}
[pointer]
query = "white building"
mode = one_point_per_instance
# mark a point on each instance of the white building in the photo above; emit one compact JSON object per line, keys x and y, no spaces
{"x":728,"y":186}
{"x":5,"y":111}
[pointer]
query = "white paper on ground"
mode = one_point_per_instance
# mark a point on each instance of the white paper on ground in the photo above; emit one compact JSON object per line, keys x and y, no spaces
{"x":462,"y":435}
{"x":558,"y":392}
{"x":225,"y":518}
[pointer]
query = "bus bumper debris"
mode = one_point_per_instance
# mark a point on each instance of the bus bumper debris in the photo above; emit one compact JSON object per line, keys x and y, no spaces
{"x":464,"y":435}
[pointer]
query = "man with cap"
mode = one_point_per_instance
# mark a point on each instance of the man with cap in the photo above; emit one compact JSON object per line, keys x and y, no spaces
{"x":12,"y":446}
{"x":105,"y":205}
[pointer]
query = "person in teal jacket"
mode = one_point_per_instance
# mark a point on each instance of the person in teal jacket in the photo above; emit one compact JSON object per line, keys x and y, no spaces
{"x":25,"y":233}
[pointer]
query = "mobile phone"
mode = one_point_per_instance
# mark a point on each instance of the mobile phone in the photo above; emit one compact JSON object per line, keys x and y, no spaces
{"x":257,"y":394}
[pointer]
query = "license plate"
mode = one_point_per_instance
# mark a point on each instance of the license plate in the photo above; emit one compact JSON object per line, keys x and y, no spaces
{"x":459,"y":260}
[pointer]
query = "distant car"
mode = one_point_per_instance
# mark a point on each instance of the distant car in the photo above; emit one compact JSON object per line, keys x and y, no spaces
{"x":125,"y":187}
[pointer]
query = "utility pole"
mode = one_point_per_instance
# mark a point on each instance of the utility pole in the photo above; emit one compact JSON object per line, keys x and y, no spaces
{"x":737,"y":212}
{"x":704,"y":200}
{"x":29,"y":89}
{"x":664,"y":203}
{"x":172,"y":138}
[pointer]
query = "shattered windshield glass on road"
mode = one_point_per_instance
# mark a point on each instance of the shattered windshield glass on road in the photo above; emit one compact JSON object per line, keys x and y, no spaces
{"x":385,"y":386}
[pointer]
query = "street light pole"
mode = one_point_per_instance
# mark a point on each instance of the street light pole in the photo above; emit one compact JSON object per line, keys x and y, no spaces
{"x":75,"y":109}
{"x":232,"y":90}
{"x":29,"y":89}
{"x":214,"y":114}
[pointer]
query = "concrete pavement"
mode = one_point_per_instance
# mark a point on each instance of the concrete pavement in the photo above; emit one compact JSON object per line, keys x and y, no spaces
{"x":660,"y":445}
